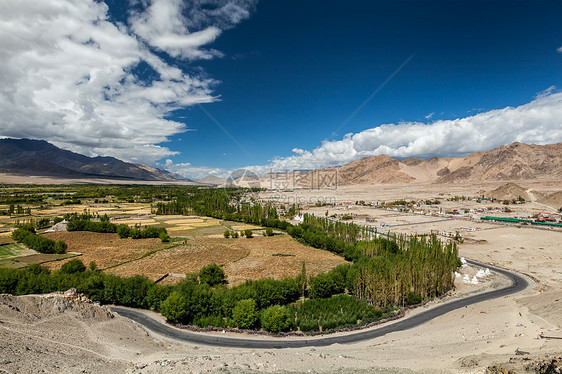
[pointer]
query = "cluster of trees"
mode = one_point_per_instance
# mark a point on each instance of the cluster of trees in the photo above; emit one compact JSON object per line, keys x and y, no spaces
{"x":234,"y":234}
{"x":138,"y":292}
{"x":84,"y":223}
{"x":395,"y":272}
{"x":335,"y":312}
{"x":26,"y":235}
{"x":398,"y":272}
{"x":15,"y":210}
{"x":124,"y":231}
{"x":227,"y":204}
{"x":201,"y":299}
{"x":93,"y":226}
{"x":348,"y":232}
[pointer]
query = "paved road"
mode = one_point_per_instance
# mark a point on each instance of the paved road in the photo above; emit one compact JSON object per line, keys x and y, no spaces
{"x":518,"y":284}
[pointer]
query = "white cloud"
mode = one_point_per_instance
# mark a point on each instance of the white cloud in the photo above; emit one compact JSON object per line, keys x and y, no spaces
{"x":68,"y":76}
{"x":163,"y":27}
{"x":559,"y":49}
{"x":182,"y":28}
{"x":539,"y":122}
{"x":193,"y":172}
{"x":429,"y":115}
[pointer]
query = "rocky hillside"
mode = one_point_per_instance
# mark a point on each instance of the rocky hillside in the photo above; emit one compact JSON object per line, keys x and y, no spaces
{"x":516,"y":161}
{"x":40,"y":158}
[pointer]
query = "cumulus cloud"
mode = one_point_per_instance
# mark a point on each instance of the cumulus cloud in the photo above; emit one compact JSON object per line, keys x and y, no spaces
{"x":182,"y":28}
{"x":70,"y":76}
{"x":559,"y":49}
{"x":539,"y":122}
{"x":187,"y":170}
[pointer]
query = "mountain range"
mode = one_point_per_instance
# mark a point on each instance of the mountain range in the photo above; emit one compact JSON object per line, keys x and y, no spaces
{"x":40,"y":158}
{"x":511,"y":162}
{"x":516,"y":161}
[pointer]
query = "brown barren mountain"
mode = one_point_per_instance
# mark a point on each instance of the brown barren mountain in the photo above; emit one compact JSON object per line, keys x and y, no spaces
{"x":512,"y":162}
{"x":33,"y":158}
{"x":377,"y":169}
{"x":510,"y":191}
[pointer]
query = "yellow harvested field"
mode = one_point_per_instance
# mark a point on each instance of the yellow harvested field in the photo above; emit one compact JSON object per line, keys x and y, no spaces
{"x":105,"y":249}
{"x":139,"y":211}
{"x":172,"y":217}
{"x":186,"y":223}
{"x":180,"y":221}
{"x":5,"y":234}
{"x":142,"y":222}
{"x":245,"y":227}
{"x":275,"y":257}
{"x":179,"y":228}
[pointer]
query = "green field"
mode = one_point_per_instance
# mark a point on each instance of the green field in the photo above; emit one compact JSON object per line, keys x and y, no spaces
{"x":10,"y":250}
{"x":40,"y":258}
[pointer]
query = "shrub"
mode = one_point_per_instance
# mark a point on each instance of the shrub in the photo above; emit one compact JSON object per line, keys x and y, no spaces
{"x":226,"y":234}
{"x":214,"y":321}
{"x":212,"y":275}
{"x":276,"y":319}
{"x":248,"y":233}
{"x":269,"y":231}
{"x":123,"y":231}
{"x":164,"y":237}
{"x":72,"y":267}
{"x":413,"y":299}
{"x":245,"y":314}
{"x":235,"y":234}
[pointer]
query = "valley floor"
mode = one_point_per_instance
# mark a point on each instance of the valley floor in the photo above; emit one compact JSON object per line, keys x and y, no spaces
{"x":46,"y":333}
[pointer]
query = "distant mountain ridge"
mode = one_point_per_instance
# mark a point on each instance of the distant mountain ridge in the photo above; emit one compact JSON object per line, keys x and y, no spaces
{"x":40,"y":158}
{"x":516,"y":161}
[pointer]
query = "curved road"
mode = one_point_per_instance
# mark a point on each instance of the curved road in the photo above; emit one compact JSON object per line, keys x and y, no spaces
{"x":518,"y":283}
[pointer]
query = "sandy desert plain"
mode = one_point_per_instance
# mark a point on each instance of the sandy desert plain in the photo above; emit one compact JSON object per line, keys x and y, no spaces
{"x":52,"y":334}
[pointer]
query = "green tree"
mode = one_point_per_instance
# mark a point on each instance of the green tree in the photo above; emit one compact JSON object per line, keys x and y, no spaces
{"x":245,"y":314}
{"x":60,"y":247}
{"x":276,"y":318}
{"x":269,"y":231}
{"x":212,"y":275}
{"x":174,"y":308}
{"x":248,"y":233}
{"x":226,"y":234}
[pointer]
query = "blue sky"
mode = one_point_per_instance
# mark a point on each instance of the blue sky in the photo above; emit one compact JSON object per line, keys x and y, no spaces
{"x":285,"y":79}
